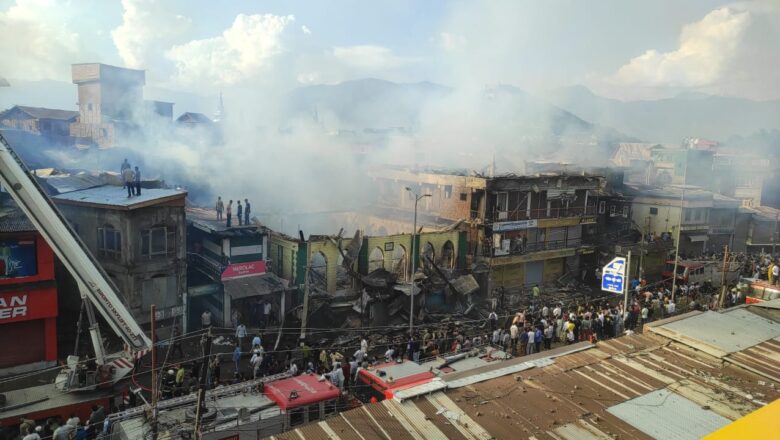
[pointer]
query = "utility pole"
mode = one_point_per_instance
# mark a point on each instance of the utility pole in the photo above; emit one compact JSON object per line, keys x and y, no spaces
{"x":417,"y":199}
{"x":201,"y":405}
{"x":305,"y":312}
{"x":153,"y":423}
{"x":723,"y":286}
{"x":626,"y":287}
{"x":677,"y":241}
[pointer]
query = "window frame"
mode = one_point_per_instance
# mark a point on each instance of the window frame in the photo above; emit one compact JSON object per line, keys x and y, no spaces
{"x":602,"y":207}
{"x":147,"y":247}
{"x":103,"y":249}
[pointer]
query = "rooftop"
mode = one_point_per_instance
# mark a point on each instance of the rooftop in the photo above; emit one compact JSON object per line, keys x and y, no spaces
{"x":115,"y":197}
{"x":43,"y":113}
{"x":12,"y":219}
{"x":620,"y":388}
{"x":64,"y":183}
{"x":206,"y":220}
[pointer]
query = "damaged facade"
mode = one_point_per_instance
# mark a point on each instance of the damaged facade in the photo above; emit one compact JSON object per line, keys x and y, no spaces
{"x":527,"y":229}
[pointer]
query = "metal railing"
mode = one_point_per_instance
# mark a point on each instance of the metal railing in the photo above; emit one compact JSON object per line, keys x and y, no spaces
{"x":517,"y":247}
{"x":538,"y":214}
{"x":208,"y":266}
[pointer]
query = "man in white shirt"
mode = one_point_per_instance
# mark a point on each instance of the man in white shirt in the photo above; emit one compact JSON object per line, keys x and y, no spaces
{"x":256,"y":361}
{"x":256,"y":341}
{"x":364,"y":345}
{"x":513,"y":334}
{"x":775,"y":273}
{"x":359,"y":355}
{"x":557,"y":312}
{"x":530,"y":348}
{"x":266,"y":313}
{"x":241,"y":334}
{"x":493,"y":319}
{"x":389,"y":354}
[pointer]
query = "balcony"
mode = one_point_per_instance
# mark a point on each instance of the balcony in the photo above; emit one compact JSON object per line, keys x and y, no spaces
{"x":211,"y":268}
{"x":517,"y":247}
{"x":581,"y":212}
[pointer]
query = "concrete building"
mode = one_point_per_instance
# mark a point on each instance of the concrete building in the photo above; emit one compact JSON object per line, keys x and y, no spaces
{"x":139,"y":241}
{"x":227,"y":271}
{"x":108,"y":99}
{"x":28,"y":294}
{"x":528,"y":229}
{"x":763,"y":231}
{"x":707,"y":223}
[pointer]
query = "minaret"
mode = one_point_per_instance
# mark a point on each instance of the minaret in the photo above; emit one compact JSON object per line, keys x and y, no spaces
{"x":220,"y":113}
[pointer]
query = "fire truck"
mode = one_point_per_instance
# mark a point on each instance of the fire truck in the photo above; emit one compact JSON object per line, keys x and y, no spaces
{"x":80,"y":383}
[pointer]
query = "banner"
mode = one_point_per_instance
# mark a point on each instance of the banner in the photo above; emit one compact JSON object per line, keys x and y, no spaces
{"x":27,"y":305}
{"x":239,"y":270}
{"x":17,"y":258}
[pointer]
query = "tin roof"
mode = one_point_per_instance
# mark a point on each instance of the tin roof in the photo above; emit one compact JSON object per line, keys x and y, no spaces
{"x":584,"y":395}
{"x":115,"y":197}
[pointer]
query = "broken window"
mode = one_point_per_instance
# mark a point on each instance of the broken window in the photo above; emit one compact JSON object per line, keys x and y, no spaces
{"x":448,"y":255}
{"x":429,"y":254}
{"x":653,"y":211}
{"x":109,"y":242}
{"x":463,"y":197}
{"x":318,"y":275}
{"x":399,"y":261}
{"x":376,"y":260}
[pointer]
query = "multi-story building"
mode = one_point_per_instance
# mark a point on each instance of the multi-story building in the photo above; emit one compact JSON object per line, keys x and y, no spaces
{"x":28,"y":294}
{"x":227,"y":271}
{"x":529,"y":229}
{"x":140,"y":242}
{"x":705,"y":221}
{"x":107,"y":96}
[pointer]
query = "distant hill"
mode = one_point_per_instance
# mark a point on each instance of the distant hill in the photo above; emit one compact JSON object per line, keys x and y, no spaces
{"x":671,"y":120}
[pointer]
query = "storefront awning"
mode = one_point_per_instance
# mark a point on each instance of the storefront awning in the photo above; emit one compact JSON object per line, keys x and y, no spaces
{"x":257,"y":285}
{"x":697,"y":238}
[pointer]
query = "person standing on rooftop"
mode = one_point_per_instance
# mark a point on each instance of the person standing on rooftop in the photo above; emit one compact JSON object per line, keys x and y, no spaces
{"x":220,"y":206}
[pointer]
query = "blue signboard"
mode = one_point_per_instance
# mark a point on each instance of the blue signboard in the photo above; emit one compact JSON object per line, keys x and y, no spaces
{"x":17,"y":258}
{"x":613,"y":276}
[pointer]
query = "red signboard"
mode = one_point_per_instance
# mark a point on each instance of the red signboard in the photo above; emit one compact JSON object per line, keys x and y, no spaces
{"x":239,"y":270}
{"x":751,"y":300}
{"x":28,"y":304}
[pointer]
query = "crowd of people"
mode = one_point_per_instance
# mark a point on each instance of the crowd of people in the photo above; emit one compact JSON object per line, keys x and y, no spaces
{"x":242,"y":211}
{"x":96,"y":427}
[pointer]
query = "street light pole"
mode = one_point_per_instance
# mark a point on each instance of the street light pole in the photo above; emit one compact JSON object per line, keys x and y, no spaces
{"x":417,"y":198}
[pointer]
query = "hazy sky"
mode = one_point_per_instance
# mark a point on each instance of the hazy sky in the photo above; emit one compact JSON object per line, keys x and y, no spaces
{"x":620,"y":48}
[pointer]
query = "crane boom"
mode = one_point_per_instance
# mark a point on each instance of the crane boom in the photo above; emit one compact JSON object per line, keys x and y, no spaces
{"x":33,"y":200}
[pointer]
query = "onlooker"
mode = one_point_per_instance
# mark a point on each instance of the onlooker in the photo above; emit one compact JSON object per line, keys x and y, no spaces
{"x":240,"y":213}
{"x":241,"y":333}
{"x":220,"y":206}
{"x":247,"y":210}
{"x":127,"y":179}
{"x":137,"y":181}
{"x":229,"y":213}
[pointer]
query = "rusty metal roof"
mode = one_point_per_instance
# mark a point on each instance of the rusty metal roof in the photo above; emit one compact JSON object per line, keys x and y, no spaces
{"x":571,"y":397}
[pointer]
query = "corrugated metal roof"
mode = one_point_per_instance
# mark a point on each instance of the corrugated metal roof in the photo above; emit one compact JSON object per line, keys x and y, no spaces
{"x":64,"y":183}
{"x":116,"y":197}
{"x":45,"y":113}
{"x":665,"y":415}
{"x":721,"y":333}
{"x":567,"y":397}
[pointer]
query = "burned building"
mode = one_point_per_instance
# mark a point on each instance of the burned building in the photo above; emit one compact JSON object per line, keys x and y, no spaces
{"x":528,"y":229}
{"x":139,"y":241}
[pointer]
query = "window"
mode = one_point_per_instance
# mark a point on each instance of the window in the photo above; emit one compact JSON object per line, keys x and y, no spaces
{"x":158,"y":241}
{"x":109,"y":242}
{"x":625,"y":211}
{"x":447,"y":191}
{"x":463,"y":197}
{"x":653,"y":211}
{"x":612,"y":209}
{"x":602,"y":207}
{"x":502,"y":201}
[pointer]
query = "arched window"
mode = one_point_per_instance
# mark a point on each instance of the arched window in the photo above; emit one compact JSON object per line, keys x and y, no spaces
{"x":318,"y":273}
{"x":448,"y":255}
{"x":428,"y":255}
{"x":376,"y":259}
{"x":399,"y":261}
